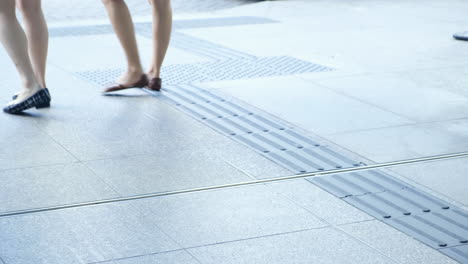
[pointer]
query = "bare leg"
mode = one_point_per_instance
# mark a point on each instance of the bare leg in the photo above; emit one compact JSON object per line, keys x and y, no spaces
{"x":38,"y":36}
{"x":123,"y":26}
{"x":14,"y":40}
{"x":162,"y":27}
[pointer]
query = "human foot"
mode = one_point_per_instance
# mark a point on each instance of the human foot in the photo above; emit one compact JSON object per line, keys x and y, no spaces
{"x":155,"y":82}
{"x":24,"y":94}
{"x":28,"y":98}
{"x":128,"y":80}
{"x":16,"y":94}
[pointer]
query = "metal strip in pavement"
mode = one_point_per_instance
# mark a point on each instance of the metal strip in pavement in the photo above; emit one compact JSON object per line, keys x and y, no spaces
{"x":218,"y":187}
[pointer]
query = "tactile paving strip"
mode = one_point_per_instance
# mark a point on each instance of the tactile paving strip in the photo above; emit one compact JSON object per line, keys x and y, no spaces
{"x":145,"y":28}
{"x":266,"y":135}
{"x":414,"y":212}
{"x":217,"y":70}
{"x":458,"y":253}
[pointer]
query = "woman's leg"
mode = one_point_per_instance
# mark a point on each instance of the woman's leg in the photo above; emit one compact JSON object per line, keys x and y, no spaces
{"x":162,"y":27}
{"x":38,"y":36}
{"x":123,"y":26}
{"x":14,"y":40}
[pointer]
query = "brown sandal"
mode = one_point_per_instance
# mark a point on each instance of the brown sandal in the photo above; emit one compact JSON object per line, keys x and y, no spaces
{"x":155,"y":84}
{"x":139,"y":84}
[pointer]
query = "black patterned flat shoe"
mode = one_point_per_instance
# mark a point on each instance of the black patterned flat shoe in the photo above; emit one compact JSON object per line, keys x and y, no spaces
{"x":48,"y":93}
{"x":461,"y":35}
{"x":41,"y":99}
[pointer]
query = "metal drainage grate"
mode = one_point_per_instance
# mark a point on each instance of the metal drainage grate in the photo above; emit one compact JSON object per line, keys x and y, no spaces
{"x":414,"y":212}
{"x":217,"y":71}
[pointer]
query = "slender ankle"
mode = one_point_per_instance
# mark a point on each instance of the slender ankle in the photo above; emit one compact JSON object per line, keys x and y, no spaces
{"x":154,"y":73}
{"x":135,"y":70}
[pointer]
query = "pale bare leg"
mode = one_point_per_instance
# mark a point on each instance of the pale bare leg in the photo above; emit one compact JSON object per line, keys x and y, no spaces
{"x":162,"y":28}
{"x":14,"y":40}
{"x":123,"y":26}
{"x":38,"y":36}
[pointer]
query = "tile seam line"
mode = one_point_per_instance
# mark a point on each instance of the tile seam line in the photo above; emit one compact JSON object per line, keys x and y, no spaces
{"x":247,"y":183}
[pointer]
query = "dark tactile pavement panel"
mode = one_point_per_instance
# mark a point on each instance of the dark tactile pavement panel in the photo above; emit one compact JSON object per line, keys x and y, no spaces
{"x":459,"y":253}
{"x":416,"y":213}
{"x":398,"y":203}
{"x":325,"y":245}
{"x":395,"y":244}
{"x":81,"y":235}
{"x":227,"y":215}
{"x":359,"y":183}
{"x":437,"y":229}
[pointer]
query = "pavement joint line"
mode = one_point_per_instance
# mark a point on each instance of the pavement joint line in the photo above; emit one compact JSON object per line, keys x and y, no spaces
{"x":247,"y":183}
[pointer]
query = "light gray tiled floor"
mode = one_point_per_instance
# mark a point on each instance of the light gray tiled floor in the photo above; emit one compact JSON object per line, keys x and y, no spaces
{"x":317,"y":109}
{"x":50,"y":185}
{"x":402,"y":95}
{"x":447,"y":177}
{"x":168,"y":170}
{"x":319,"y":202}
{"x":81,"y":235}
{"x":174,"y":257}
{"x":404,"y":142}
{"x":227,"y":215}
{"x":279,"y":223}
{"x":325,"y":245}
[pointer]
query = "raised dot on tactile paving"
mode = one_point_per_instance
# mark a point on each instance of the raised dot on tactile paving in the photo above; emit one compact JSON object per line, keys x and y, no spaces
{"x":299,"y":147}
{"x":463,"y":241}
{"x":387,"y":216}
{"x":283,"y":149}
{"x":281,"y":129}
{"x":339,"y":167}
{"x":442,"y":245}
{"x":321,"y":169}
{"x":406,"y":213}
{"x":266,"y":151}
{"x":446,"y":207}
{"x":265,"y":130}
{"x":426,"y":210}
